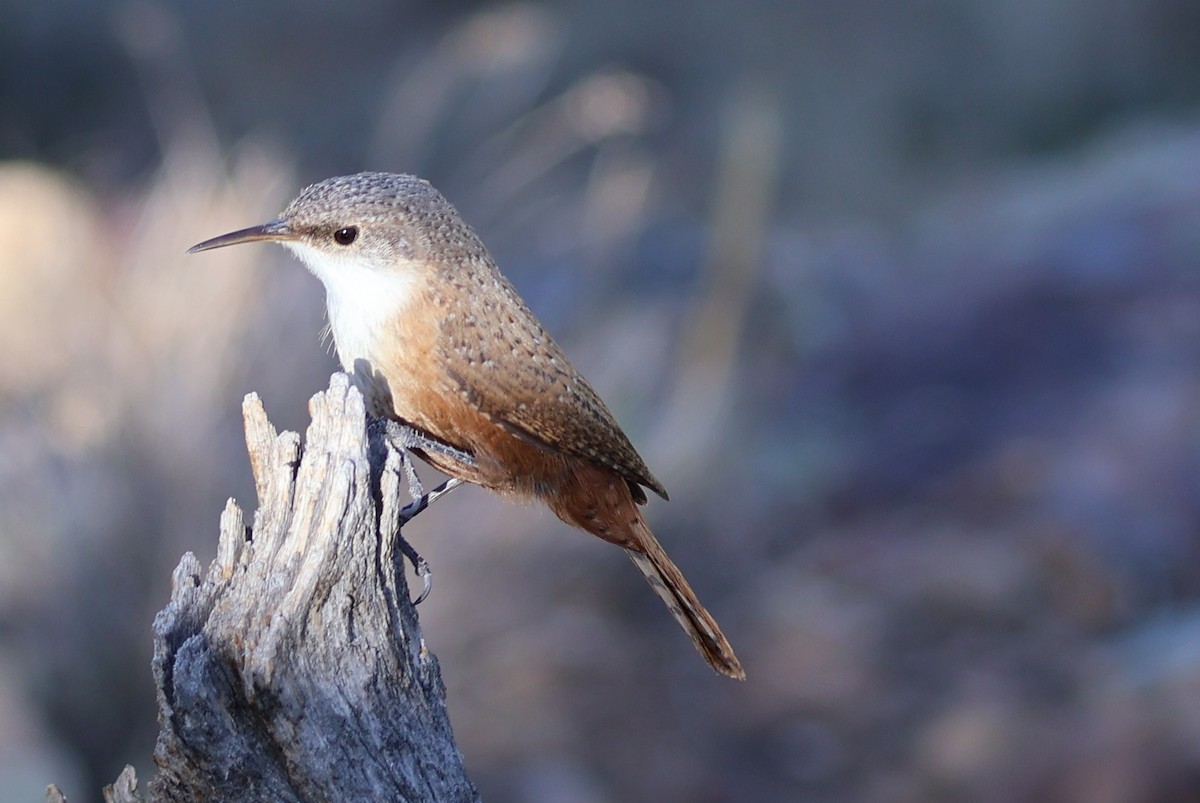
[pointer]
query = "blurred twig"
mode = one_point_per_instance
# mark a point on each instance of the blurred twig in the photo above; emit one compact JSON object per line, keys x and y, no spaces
{"x":708,"y":354}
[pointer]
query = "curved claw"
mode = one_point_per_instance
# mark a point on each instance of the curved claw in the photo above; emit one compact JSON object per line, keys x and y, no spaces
{"x":426,"y":576}
{"x":421,"y":567}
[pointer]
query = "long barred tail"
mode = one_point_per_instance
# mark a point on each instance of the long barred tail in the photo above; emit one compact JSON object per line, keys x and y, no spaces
{"x":668,"y":582}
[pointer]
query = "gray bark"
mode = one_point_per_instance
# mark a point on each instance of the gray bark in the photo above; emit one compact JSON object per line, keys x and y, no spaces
{"x":294,"y":667}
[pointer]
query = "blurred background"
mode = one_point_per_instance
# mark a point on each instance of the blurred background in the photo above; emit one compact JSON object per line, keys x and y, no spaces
{"x":900,"y":301}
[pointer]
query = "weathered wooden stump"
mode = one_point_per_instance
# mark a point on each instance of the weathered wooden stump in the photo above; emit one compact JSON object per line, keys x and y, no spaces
{"x":294,"y":668}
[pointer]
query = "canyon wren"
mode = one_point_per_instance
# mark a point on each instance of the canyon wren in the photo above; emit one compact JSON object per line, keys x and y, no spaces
{"x":437,"y":339}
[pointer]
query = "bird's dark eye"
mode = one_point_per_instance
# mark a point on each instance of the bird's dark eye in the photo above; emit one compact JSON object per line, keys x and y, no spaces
{"x":345,"y":236}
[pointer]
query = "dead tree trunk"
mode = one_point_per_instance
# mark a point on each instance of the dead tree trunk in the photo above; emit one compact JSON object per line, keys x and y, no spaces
{"x":294,"y":668}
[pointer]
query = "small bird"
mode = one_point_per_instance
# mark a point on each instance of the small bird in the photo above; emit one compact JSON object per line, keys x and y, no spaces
{"x":438,"y":340}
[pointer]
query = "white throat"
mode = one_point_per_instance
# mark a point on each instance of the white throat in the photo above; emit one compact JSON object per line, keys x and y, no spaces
{"x":361,"y":299}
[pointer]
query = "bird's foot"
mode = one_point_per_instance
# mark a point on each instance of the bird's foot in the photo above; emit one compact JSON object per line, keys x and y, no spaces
{"x":421,"y":567}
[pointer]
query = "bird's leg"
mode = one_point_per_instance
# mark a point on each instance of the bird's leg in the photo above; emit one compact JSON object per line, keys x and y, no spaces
{"x":411,"y":439}
{"x":408,"y":439}
{"x":410,"y":511}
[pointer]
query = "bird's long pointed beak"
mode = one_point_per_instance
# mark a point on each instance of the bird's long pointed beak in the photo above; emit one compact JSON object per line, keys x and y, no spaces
{"x":274,"y":231}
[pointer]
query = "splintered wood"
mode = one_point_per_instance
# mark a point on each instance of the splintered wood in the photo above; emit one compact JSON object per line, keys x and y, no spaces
{"x":293,"y":668}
